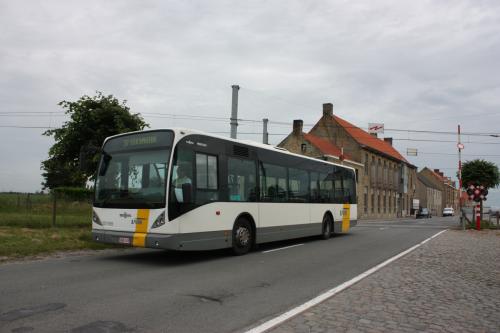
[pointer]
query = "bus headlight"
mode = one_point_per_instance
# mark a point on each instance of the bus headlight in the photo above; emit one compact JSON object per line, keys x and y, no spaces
{"x":95,"y":218}
{"x":160,"y":220}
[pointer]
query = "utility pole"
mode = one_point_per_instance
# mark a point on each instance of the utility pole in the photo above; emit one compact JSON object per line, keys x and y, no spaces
{"x":265,"y":135}
{"x":460,"y":146}
{"x":234,"y":111}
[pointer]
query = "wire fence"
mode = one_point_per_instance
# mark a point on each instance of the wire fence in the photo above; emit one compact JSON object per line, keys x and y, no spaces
{"x":56,"y":209}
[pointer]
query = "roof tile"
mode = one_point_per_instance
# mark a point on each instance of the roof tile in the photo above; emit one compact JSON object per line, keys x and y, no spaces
{"x":325,"y":146}
{"x":368,"y":140}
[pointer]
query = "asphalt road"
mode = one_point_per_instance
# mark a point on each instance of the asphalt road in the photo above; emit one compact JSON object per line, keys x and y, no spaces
{"x":158,"y":291}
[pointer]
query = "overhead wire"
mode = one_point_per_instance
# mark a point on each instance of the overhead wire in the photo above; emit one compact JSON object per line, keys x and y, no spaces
{"x":271,"y":122}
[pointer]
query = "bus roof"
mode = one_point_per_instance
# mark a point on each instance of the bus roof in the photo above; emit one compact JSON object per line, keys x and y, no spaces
{"x":189,"y":131}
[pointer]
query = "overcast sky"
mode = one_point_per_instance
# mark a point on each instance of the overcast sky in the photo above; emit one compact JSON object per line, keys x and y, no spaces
{"x":420,"y":65}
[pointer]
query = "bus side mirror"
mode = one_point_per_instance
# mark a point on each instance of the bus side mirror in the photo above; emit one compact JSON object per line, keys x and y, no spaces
{"x":187,"y":190}
{"x":104,"y":164}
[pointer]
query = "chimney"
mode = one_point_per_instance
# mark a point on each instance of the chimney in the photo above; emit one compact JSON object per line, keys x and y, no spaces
{"x":388,"y":140}
{"x":436,"y":171}
{"x":327,"y":109}
{"x":297,"y":126}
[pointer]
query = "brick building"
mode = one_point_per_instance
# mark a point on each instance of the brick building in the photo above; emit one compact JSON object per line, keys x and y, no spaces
{"x":430,"y":195}
{"x":445,"y":184}
{"x":386,"y":181}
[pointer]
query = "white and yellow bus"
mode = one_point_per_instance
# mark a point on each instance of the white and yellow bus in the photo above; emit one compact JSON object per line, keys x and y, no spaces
{"x":182,"y":189}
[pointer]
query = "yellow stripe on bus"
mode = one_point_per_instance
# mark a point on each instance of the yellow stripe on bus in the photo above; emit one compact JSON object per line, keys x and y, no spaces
{"x":346,"y":218}
{"x":141,"y":228}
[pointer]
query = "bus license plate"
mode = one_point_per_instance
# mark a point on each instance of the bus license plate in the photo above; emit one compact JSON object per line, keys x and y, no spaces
{"x":124,"y":240}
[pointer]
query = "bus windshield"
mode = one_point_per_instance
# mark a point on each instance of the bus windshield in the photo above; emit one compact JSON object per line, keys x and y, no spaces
{"x":133,"y":171}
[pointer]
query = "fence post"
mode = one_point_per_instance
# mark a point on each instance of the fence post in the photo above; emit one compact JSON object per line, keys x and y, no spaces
{"x":28,"y":203}
{"x":54,"y":204}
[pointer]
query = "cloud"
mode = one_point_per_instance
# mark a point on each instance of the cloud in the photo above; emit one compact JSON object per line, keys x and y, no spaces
{"x":403,"y":63}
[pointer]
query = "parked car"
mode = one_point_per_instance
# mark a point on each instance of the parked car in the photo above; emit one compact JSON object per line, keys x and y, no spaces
{"x":448,"y":211}
{"x":423,"y":212}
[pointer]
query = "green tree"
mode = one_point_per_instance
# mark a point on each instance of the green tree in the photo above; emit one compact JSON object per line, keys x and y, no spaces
{"x":92,"y":119}
{"x":480,"y":172}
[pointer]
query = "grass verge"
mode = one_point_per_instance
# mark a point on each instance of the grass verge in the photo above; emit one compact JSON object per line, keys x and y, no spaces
{"x":18,"y":242}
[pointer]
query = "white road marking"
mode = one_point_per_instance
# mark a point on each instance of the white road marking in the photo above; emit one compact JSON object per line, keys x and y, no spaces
{"x":315,"y":301}
{"x":282,"y":248}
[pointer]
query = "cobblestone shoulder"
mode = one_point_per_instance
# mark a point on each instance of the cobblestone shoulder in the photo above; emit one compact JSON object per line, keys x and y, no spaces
{"x":450,"y":284}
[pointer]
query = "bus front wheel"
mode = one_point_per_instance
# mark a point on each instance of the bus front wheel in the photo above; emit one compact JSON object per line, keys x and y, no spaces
{"x":242,"y":237}
{"x":327,"y":227}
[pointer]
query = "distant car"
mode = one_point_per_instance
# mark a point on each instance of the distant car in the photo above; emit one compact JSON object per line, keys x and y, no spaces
{"x":424,"y":212}
{"x":448,"y":211}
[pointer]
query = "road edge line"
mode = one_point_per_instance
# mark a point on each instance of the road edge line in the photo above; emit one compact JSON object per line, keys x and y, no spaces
{"x":282,"y":248}
{"x":322,"y":297}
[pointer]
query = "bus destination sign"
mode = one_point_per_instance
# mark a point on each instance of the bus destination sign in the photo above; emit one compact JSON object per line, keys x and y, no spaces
{"x":146,"y":140}
{"x":139,"y":141}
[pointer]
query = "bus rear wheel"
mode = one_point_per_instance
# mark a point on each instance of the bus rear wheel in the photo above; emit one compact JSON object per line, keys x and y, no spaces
{"x":327,"y":227}
{"x":242,"y":237}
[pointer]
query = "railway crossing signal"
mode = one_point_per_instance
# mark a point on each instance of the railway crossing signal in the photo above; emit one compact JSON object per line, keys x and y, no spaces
{"x":477,"y":193}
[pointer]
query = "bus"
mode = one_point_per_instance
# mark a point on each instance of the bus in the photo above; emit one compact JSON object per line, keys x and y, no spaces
{"x":182,"y":189}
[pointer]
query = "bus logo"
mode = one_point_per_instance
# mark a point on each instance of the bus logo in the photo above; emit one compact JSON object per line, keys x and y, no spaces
{"x":125,"y":215}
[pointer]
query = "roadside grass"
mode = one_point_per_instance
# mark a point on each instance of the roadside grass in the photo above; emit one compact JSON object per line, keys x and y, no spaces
{"x":16,"y":242}
{"x":26,"y":226}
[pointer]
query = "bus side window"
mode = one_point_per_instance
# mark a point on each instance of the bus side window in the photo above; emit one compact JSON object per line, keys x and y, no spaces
{"x":349,"y":187}
{"x":206,"y":179}
{"x":182,"y":175}
{"x":273,"y":183}
{"x":298,"y":184}
{"x":338,"y":185}
{"x":314,"y":187}
{"x":241,"y":180}
{"x":325,"y":187}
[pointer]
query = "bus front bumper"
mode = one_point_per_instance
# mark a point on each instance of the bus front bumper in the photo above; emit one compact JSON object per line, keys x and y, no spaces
{"x":182,"y":242}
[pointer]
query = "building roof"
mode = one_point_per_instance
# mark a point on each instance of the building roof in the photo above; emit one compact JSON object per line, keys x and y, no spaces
{"x":426,"y":182}
{"x":325,"y":146}
{"x":365,"y":139}
{"x":441,"y":177}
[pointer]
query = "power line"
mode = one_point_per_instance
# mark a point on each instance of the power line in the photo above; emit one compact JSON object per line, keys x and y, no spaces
{"x":16,"y":126}
{"x":221,"y":119}
{"x":455,"y":154}
{"x":225,"y":119}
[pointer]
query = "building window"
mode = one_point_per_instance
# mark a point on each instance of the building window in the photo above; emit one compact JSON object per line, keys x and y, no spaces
{"x":373,"y":176}
{"x":373,"y":202}
{"x":365,"y":200}
{"x":366,"y":164}
{"x":385,"y":174}
{"x":378,"y":201}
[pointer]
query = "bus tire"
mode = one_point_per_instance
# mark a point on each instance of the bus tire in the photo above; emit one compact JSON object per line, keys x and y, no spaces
{"x":327,"y":227}
{"x":242,"y":237}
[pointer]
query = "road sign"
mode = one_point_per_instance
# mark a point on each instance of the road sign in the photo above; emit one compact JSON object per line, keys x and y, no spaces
{"x":411,"y":151}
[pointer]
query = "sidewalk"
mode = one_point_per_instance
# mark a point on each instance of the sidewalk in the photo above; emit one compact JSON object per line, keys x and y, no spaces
{"x":450,"y":284}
